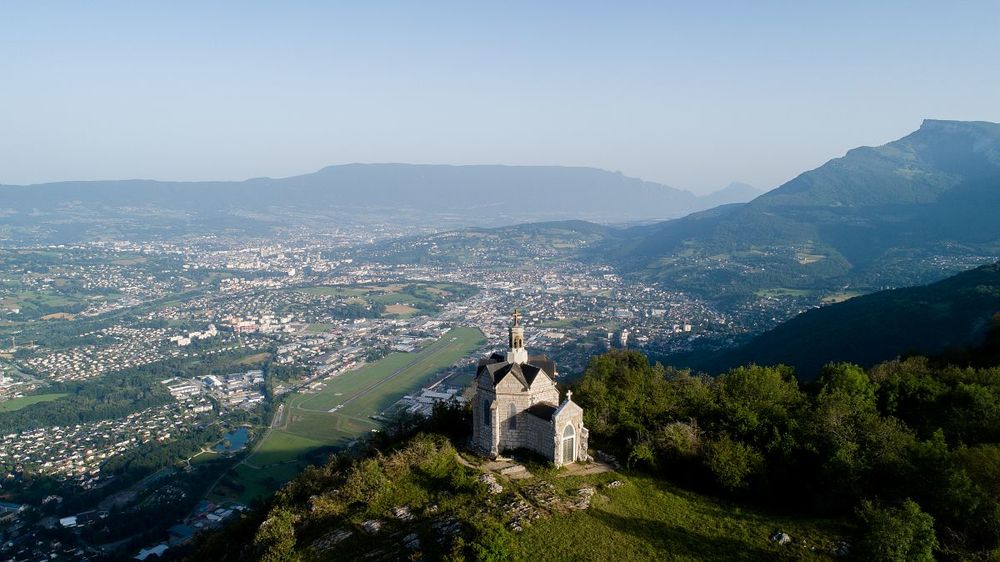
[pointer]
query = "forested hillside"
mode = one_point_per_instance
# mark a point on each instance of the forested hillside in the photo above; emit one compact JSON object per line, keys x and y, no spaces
{"x":907,"y":450}
{"x":950,"y":314}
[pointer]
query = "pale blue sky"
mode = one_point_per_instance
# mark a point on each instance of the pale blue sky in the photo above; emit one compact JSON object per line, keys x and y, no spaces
{"x":693,"y":95}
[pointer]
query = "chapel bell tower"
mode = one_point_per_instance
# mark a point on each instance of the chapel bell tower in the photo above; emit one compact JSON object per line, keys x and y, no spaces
{"x":516,"y":353}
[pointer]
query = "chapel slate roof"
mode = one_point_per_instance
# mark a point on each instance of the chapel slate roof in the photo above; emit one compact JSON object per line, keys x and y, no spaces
{"x":496,"y":357}
{"x":543,"y":361}
{"x":498,"y":368}
{"x":525,"y":374}
{"x":542,"y":410}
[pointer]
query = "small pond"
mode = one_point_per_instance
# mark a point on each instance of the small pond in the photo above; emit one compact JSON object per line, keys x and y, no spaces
{"x":233,"y":441}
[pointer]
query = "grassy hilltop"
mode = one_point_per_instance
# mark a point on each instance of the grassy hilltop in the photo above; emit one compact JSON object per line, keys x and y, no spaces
{"x":449,"y":514}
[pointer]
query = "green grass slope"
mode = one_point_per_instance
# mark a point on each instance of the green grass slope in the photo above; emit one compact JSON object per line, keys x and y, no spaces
{"x":650,"y":519}
{"x":452,"y":515}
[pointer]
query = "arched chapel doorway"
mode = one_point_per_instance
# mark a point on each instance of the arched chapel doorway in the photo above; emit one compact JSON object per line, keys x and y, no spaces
{"x":569,"y":444}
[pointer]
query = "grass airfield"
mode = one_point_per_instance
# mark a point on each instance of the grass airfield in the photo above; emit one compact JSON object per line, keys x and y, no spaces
{"x":341,"y":412}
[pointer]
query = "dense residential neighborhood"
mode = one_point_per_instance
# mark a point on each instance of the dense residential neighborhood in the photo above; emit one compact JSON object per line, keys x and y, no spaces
{"x":78,"y":452}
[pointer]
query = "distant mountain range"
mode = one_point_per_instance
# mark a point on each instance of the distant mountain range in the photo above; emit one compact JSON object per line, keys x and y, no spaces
{"x":907,"y":213}
{"x":930,"y":319}
{"x":735,"y":192}
{"x":460,"y":195}
{"x":894,"y":215}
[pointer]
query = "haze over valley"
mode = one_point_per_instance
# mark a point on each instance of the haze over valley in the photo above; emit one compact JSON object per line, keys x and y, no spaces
{"x":583,"y":282}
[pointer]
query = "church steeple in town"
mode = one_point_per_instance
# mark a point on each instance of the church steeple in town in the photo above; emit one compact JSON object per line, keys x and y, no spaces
{"x":516,"y":352}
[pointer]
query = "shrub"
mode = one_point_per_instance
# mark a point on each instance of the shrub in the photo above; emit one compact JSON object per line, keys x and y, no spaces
{"x":731,"y":462}
{"x":366,"y":482}
{"x":903,"y":534}
{"x":679,"y":439}
{"x":275,"y":538}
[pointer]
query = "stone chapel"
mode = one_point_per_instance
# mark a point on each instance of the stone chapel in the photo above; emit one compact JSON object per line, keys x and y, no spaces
{"x":517,"y":405}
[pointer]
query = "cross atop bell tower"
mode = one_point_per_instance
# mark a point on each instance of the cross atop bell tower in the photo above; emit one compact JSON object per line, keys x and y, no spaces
{"x":516,"y":352}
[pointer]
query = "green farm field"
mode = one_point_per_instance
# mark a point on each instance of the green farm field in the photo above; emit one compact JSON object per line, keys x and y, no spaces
{"x":15,"y":404}
{"x":783,"y":292}
{"x":400,"y":299}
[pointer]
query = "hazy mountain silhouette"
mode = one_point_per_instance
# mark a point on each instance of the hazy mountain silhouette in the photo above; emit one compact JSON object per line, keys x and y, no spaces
{"x":483,"y":194}
{"x":735,"y":192}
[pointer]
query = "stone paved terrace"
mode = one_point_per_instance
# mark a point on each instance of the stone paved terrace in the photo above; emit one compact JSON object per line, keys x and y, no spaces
{"x":515,"y":471}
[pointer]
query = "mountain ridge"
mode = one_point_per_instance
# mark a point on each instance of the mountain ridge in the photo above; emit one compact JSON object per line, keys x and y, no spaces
{"x":541,"y":192}
{"x":859,"y":219}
